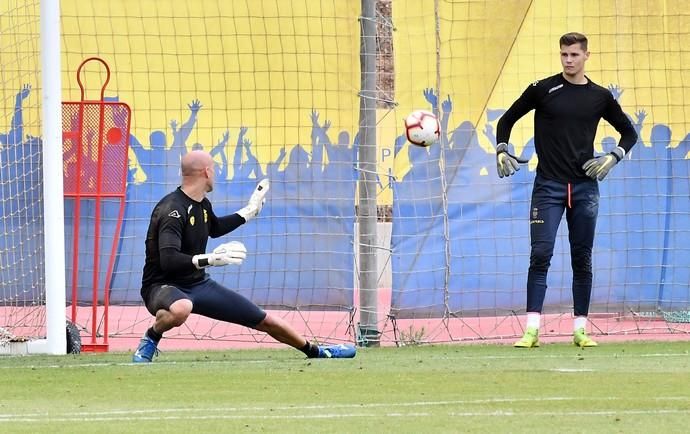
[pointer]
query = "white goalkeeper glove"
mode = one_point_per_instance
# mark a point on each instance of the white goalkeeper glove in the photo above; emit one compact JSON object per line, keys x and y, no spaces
{"x":232,"y":253}
{"x":256,"y":201}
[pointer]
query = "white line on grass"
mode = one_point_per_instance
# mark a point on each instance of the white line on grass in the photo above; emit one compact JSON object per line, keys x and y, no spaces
{"x":522,"y":354}
{"x":499,"y":413}
{"x":534,"y":354}
{"x":162,"y":362}
{"x":198,"y":413}
{"x":570,"y":370}
{"x":569,"y":412}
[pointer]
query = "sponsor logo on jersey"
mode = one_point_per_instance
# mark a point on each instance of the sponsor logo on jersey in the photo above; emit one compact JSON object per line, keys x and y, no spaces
{"x":555,"y":88}
{"x":175,"y":214}
{"x":205,"y":216}
{"x":192,"y":220}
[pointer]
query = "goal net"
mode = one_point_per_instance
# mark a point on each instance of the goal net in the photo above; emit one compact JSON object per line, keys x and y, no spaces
{"x":32,"y":303}
{"x":22,"y":295}
{"x":461,"y":235}
{"x":270,"y":90}
{"x":273,"y":89}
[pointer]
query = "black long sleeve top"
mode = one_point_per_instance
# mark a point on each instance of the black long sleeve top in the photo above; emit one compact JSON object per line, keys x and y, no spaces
{"x":178,"y":230}
{"x":566,"y":118}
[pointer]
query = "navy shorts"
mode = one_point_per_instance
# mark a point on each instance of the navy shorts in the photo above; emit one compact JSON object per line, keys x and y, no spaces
{"x":209,"y":299}
{"x":580,"y":202}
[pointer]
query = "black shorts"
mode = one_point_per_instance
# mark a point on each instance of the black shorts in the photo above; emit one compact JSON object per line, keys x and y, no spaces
{"x":209,"y":299}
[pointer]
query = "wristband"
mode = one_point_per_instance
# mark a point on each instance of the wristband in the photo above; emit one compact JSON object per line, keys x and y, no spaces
{"x":619,"y":153}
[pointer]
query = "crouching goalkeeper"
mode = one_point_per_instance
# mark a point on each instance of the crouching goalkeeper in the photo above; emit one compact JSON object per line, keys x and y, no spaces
{"x":175,"y":283}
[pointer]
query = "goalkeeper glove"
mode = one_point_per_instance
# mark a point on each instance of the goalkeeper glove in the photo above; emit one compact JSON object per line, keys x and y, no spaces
{"x":232,"y":253}
{"x":599,"y":167}
{"x":256,"y":201}
{"x":507,"y":163}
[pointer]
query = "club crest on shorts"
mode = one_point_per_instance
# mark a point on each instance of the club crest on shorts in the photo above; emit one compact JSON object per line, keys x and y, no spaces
{"x":535,"y":215}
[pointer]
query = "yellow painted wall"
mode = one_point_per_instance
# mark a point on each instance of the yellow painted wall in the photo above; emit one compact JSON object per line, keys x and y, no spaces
{"x":491,"y":50}
{"x":639,"y":46}
{"x":263,"y":64}
{"x":19,"y":63}
{"x":266,"y":64}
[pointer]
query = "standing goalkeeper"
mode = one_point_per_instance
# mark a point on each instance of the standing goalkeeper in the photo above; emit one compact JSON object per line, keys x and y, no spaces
{"x":568,"y":107}
{"x":175,"y":283}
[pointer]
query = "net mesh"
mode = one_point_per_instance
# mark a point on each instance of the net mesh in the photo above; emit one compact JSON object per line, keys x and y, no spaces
{"x":460,"y":235}
{"x":22,"y":295}
{"x":272,"y":90}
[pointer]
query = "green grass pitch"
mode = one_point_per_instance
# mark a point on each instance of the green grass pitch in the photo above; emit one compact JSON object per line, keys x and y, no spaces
{"x":623,"y":387}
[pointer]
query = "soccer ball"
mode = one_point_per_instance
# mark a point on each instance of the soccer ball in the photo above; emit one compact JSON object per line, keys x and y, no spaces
{"x":422,"y":128}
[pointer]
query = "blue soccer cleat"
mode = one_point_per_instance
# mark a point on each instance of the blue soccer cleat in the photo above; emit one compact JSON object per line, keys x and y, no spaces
{"x":341,"y":351}
{"x":145,"y":351}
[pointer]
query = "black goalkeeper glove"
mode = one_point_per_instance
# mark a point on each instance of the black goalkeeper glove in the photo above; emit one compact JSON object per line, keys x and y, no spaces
{"x":506,"y":163}
{"x":599,"y":167}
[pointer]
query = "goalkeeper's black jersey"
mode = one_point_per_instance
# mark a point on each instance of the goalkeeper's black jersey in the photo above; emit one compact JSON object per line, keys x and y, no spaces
{"x":179,"y":229}
{"x":565,"y":123}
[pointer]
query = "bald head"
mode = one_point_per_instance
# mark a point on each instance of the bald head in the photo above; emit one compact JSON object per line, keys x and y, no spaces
{"x":198,"y":174}
{"x":195,"y":162}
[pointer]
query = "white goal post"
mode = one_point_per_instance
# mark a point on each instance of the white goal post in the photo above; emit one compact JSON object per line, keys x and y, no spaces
{"x":48,"y":332}
{"x":53,"y":204}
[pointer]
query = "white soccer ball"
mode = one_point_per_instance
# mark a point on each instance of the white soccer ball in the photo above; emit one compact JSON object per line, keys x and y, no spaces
{"x":422,"y":128}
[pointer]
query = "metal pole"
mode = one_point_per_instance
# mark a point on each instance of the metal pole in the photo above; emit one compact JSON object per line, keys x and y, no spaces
{"x":367,"y":218}
{"x":53,"y":207}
